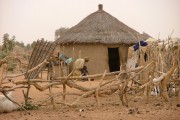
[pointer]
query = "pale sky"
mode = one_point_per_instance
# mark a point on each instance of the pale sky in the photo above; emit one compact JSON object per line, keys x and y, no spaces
{"x":30,"y":20}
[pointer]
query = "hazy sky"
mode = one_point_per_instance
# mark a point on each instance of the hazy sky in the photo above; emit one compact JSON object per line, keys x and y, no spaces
{"x":29,"y":20}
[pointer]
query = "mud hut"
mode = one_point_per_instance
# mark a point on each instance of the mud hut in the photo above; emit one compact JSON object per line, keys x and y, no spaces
{"x":102,"y":38}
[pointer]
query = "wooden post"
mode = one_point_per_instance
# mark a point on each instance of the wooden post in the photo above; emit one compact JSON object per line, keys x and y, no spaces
{"x":97,"y":89}
{"x":26,"y":95}
{"x":73,"y":53}
{"x":52,"y":98}
{"x":64,"y":85}
{"x":167,"y":77}
{"x":50,"y":88}
{"x":64,"y":92}
{"x":80,"y":54}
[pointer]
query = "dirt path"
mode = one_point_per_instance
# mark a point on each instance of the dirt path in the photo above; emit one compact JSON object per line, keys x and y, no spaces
{"x":111,"y":108}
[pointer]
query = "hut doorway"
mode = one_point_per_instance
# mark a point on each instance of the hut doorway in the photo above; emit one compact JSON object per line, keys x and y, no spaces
{"x":114,"y":60}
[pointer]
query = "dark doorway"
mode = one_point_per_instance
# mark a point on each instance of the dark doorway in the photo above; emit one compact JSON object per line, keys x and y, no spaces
{"x":114,"y":61}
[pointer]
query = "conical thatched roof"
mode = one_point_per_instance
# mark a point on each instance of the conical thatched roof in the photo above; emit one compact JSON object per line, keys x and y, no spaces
{"x":100,"y":27}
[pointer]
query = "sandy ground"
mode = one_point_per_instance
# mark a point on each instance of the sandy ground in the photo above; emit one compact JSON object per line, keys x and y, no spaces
{"x":87,"y":109}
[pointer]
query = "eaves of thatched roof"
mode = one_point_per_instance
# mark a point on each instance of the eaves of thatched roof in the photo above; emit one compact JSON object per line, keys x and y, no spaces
{"x":99,"y":27}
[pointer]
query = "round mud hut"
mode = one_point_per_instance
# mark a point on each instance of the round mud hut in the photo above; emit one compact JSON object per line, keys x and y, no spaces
{"x":102,"y":38}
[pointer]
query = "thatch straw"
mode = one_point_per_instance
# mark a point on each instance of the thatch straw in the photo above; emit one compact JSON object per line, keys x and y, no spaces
{"x":100,"y":27}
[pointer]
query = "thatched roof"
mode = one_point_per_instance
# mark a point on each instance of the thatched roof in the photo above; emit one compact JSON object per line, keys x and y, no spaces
{"x":99,"y":27}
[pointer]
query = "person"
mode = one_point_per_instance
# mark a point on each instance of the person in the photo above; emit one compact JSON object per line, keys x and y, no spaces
{"x":80,"y":67}
{"x":84,"y":72}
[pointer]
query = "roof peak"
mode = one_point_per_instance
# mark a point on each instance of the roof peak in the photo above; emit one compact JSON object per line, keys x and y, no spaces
{"x":100,"y":7}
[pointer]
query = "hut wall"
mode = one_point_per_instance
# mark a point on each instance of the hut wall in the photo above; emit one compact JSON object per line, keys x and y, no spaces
{"x":97,"y":54}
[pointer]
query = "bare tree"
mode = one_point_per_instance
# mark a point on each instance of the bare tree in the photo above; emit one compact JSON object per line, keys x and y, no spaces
{"x":60,"y":32}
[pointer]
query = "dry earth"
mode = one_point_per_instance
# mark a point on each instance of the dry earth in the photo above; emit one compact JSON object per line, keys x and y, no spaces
{"x":87,"y":109}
